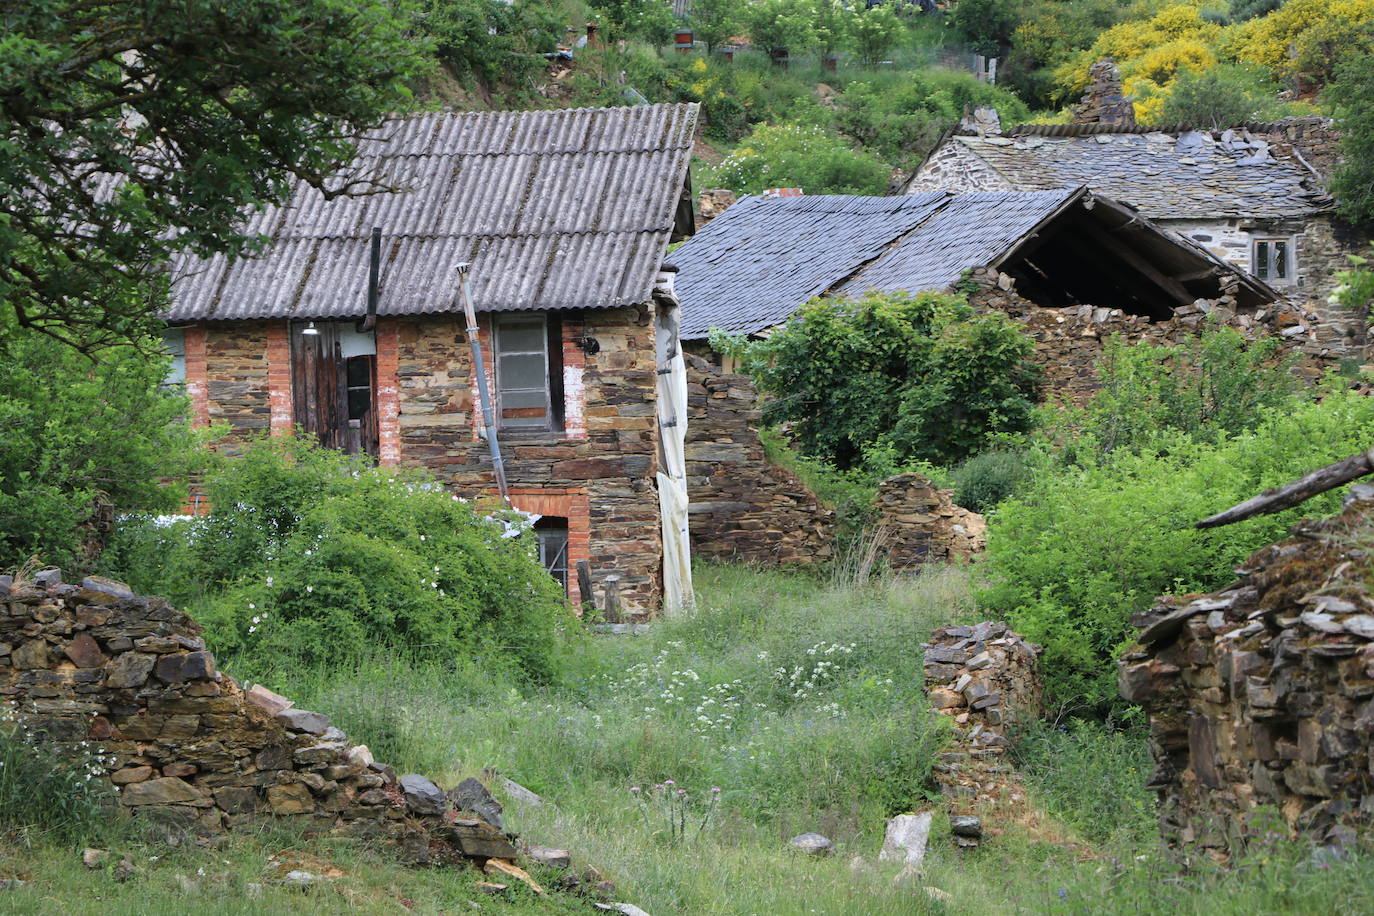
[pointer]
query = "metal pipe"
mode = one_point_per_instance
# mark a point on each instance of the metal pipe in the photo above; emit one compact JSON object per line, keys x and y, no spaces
{"x":479,"y":369}
{"x":373,"y":267}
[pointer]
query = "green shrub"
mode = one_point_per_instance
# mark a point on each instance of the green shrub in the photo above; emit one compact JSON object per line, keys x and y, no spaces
{"x":75,"y":429}
{"x":492,"y":39}
{"x":312,"y":557}
{"x":1085,"y":547}
{"x":986,"y":479}
{"x":794,"y":155}
{"x":50,"y":789}
{"x":1351,"y":95}
{"x":1222,"y":96}
{"x":917,"y":378}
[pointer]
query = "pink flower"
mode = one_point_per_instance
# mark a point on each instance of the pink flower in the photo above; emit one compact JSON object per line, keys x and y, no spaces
{"x":669,"y":782}
{"x":681,"y":791}
{"x":715,"y":789}
{"x":634,"y":788}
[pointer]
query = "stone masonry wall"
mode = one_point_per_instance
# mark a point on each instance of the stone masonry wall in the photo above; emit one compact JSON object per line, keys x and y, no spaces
{"x":602,"y":465}
{"x":1069,"y":341}
{"x":236,"y":379}
{"x":185,"y":745}
{"x":984,"y":677}
{"x":921,"y":524}
{"x":1262,"y":694}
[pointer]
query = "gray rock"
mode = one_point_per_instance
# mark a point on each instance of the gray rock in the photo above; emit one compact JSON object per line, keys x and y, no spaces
{"x":626,"y":909}
{"x":265,"y":699}
{"x":966,"y":825}
{"x":905,"y":842}
{"x":47,"y":578}
{"x":94,"y":858}
{"x":130,"y":669}
{"x":520,"y":794}
{"x":548,"y":856}
{"x":99,"y":590}
{"x":31,"y":655}
{"x":5,"y":583}
{"x":813,"y":844}
{"x":300,"y":878}
{"x":471,"y":796}
{"x":302,"y":720}
{"x":423,"y":796}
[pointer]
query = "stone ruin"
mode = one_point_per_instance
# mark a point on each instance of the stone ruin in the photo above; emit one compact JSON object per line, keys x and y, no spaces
{"x":984,"y":678}
{"x":186,"y":746}
{"x":1104,"y":101}
{"x":743,"y":507}
{"x":1261,"y":695}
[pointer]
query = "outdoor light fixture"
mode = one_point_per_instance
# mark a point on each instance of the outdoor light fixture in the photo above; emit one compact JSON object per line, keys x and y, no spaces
{"x":310,"y":330}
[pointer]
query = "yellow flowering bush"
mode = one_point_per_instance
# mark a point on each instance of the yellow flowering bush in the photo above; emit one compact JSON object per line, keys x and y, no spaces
{"x":1319,"y":31}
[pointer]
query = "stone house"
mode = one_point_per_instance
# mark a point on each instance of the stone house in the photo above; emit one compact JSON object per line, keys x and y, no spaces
{"x":1253,"y":195}
{"x":564,"y":217}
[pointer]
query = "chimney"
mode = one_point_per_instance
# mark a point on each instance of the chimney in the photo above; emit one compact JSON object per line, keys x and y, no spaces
{"x":1103,"y":103}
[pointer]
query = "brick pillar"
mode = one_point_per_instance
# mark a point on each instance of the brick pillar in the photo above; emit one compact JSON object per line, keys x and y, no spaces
{"x":279,"y":394}
{"x":388,"y":392}
{"x":574,"y":394}
{"x":197,"y":375}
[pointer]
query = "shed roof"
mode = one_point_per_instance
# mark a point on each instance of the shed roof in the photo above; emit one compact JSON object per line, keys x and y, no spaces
{"x":751,"y":267}
{"x":554,"y":210}
{"x":1191,"y":175}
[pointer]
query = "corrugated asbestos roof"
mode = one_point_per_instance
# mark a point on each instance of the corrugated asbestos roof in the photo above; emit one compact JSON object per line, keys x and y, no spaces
{"x":753,"y":265}
{"x":553,"y":209}
{"x":1192,"y":176}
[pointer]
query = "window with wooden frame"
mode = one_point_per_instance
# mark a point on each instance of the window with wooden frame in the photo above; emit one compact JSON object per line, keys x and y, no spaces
{"x":1272,"y":259}
{"x":334,"y":384}
{"x":528,"y":353}
{"x":552,"y":534}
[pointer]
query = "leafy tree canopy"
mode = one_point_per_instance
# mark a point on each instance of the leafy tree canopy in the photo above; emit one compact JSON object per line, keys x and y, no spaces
{"x":132,"y":130}
{"x":1352,"y":94}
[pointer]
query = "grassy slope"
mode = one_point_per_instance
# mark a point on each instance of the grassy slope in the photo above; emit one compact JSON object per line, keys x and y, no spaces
{"x":627,"y":714}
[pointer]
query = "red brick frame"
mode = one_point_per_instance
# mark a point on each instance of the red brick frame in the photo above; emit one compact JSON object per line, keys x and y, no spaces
{"x":575,"y":506}
{"x":281,"y":419}
{"x":388,"y":392}
{"x":197,"y":375}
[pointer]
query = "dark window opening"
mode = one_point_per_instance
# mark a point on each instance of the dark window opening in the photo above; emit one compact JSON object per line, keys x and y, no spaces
{"x":1272,"y":259}
{"x":552,"y":532}
{"x":527,"y":351}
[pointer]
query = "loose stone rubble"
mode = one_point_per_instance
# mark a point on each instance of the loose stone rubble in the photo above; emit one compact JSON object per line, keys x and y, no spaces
{"x":984,"y":677}
{"x":1261,"y":695}
{"x":128,"y":679}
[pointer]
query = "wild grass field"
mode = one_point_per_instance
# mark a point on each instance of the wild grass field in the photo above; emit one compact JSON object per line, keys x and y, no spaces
{"x":799,"y":700}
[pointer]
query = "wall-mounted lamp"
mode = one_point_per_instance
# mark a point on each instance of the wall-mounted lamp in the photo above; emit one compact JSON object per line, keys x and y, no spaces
{"x":589,"y":345}
{"x":310,"y":330}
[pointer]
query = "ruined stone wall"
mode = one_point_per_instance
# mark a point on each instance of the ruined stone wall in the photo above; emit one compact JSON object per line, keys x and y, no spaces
{"x":921,"y":524}
{"x":185,"y":745}
{"x":236,"y":380}
{"x":1262,"y":694}
{"x":742,"y":506}
{"x":1070,"y":341}
{"x":952,"y":167}
{"x":598,"y":470}
{"x":984,"y":677}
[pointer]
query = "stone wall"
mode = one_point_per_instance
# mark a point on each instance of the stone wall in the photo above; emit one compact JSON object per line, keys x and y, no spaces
{"x":236,"y":380}
{"x":921,"y":524}
{"x":1069,"y":341}
{"x":1262,"y":694}
{"x":742,"y":506}
{"x":983,"y":677}
{"x":184,"y":745}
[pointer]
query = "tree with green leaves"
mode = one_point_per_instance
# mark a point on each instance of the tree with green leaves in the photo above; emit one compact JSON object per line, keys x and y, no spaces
{"x":74,"y":431}
{"x":877,"y":30}
{"x":647,"y":20}
{"x":777,"y":25}
{"x":715,"y":21}
{"x":1352,"y":97}
{"x":135,"y":130}
{"x":834,"y":26}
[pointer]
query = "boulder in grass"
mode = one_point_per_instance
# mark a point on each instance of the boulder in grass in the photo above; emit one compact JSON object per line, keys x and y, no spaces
{"x":813,"y":844}
{"x":423,"y":796}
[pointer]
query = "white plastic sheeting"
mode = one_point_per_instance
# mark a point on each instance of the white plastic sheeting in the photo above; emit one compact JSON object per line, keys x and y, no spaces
{"x":672,"y":433}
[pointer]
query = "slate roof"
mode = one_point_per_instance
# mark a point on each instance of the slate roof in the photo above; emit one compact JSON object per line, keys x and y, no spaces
{"x":1191,"y":176}
{"x":554,"y":210}
{"x":751,"y":267}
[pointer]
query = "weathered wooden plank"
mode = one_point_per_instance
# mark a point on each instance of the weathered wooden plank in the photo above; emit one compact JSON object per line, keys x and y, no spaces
{"x":1276,"y":499}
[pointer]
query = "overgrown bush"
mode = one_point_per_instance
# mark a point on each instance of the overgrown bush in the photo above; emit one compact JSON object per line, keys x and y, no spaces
{"x":47,"y":789}
{"x":919,"y":377}
{"x":1224,"y":96}
{"x":312,"y":557}
{"x":793,"y":155}
{"x":986,"y":479}
{"x":75,"y":429}
{"x":492,"y":39}
{"x":1089,"y":544}
{"x":1352,"y":96}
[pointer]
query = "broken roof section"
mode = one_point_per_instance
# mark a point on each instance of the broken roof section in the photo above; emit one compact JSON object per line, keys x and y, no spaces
{"x":756,"y":263}
{"x":1189,"y":175}
{"x":553,"y":209}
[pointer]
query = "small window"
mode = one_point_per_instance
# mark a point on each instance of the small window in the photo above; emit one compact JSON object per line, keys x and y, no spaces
{"x":1272,"y":260}
{"x":358,"y":379}
{"x":174,"y":342}
{"x":529,"y":370}
{"x":552,"y":533}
